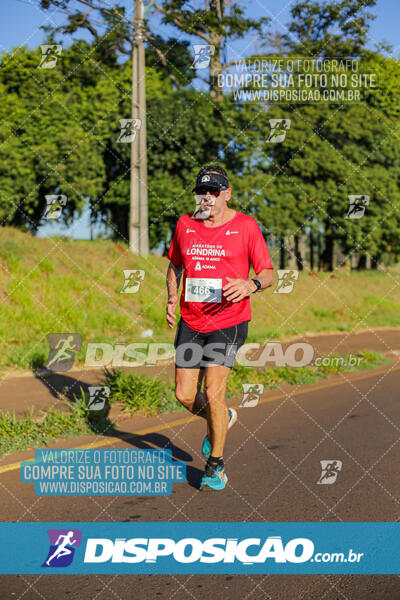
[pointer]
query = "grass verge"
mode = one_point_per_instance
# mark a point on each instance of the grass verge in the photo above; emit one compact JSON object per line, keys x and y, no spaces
{"x":141,"y":394}
{"x":275,"y":377}
{"x":68,"y":280}
{"x":45,"y":427}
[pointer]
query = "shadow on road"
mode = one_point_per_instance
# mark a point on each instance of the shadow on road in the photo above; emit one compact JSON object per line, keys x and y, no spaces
{"x":150,"y":441}
{"x":63,"y":386}
{"x":60,"y":384}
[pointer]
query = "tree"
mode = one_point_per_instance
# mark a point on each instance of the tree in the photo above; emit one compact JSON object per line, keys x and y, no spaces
{"x":46,"y":128}
{"x":111,"y":26}
{"x":215,"y":24}
{"x":122,"y":30}
{"x":330,"y":29}
{"x":331,"y":150}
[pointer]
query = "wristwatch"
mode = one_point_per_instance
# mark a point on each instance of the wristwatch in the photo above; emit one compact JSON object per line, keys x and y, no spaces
{"x":258,"y":284}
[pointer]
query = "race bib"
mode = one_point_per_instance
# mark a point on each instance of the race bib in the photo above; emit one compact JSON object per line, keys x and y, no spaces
{"x":203,"y":290}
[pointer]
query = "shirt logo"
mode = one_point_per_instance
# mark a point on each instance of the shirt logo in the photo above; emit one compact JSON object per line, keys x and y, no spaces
{"x":198,"y":266}
{"x":188,"y":230}
{"x":230,"y":232}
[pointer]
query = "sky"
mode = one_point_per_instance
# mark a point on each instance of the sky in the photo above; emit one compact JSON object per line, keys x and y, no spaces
{"x":21,"y":21}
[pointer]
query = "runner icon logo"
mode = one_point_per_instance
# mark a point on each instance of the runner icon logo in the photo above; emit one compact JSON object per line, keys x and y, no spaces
{"x":357,"y":204}
{"x":98,"y":396}
{"x":330,"y":470}
{"x":286,"y":281}
{"x":62,"y":547}
{"x":279,"y":128}
{"x":50,"y":54}
{"x":251,"y":394}
{"x":202,"y":58}
{"x":133,"y":279}
{"x":54,"y":206}
{"x":62,"y":350}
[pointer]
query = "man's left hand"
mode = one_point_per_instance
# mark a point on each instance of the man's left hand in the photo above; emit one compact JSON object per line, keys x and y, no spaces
{"x":237,"y":289}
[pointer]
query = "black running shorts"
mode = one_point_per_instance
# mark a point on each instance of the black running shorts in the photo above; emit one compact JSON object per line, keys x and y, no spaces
{"x":195,"y":350}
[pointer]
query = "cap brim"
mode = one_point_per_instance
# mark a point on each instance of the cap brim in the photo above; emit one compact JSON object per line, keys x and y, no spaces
{"x":211,"y":186}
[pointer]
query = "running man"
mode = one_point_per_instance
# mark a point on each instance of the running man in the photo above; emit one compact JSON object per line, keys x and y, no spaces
{"x":213,"y":248}
{"x":65,"y":351}
{"x":62,"y":549}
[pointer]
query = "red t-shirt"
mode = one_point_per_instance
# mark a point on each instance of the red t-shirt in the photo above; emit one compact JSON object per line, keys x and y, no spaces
{"x":209,"y":255}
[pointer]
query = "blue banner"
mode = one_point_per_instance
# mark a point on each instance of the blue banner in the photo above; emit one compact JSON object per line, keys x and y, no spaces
{"x":110,"y":472}
{"x":173,"y":548}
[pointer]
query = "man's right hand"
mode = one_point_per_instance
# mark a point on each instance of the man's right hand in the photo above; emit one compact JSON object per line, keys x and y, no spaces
{"x":171,"y":306}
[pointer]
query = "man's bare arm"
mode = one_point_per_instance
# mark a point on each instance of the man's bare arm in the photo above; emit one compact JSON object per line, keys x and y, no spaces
{"x":174,"y":275}
{"x":265,"y":277}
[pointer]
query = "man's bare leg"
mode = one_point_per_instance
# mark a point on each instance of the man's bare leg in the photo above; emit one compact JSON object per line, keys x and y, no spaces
{"x":218,"y":417}
{"x":188,"y":390}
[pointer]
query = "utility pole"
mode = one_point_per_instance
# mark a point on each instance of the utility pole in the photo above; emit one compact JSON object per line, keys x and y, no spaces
{"x":138,"y":219}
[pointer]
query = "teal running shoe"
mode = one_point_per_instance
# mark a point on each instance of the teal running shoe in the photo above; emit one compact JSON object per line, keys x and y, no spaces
{"x":206,"y":448}
{"x":214,"y":479}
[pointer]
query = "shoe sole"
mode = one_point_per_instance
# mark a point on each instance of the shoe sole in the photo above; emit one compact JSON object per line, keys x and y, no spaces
{"x":207,"y":488}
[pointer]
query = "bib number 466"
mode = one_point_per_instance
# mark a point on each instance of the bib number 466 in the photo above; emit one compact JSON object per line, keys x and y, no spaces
{"x":202,"y":290}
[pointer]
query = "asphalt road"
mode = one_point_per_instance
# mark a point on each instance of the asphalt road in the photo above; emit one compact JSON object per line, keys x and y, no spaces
{"x":272,"y":459}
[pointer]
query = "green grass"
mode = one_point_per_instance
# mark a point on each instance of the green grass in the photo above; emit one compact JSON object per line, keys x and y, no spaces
{"x":45,"y":427}
{"x":141,"y":394}
{"x":75,"y":287}
{"x":273,"y":377}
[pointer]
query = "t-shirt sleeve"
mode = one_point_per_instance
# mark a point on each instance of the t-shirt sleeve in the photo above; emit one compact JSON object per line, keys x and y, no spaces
{"x":174,"y":253}
{"x":258,"y":251}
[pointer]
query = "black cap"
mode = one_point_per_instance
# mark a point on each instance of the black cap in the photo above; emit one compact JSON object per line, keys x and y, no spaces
{"x":214,"y":181}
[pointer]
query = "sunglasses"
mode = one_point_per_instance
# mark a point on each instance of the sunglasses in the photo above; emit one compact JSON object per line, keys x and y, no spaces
{"x":204,"y":191}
